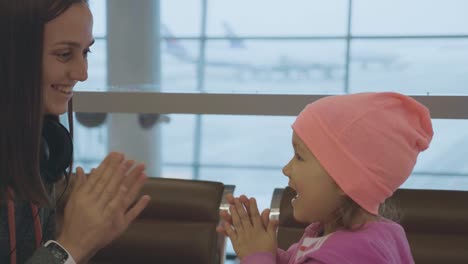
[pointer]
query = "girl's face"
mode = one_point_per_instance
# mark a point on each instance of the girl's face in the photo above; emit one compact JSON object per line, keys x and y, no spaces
{"x":67,"y":40}
{"x":318,"y":196}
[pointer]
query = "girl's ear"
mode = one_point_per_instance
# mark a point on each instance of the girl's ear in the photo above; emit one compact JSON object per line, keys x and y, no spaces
{"x":340,"y":191}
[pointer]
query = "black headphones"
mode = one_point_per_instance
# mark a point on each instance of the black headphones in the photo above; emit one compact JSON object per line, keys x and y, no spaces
{"x":56,"y":150}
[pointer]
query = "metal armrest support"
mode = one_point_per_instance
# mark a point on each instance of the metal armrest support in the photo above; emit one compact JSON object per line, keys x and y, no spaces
{"x":276,"y":203}
{"x":221,"y":245}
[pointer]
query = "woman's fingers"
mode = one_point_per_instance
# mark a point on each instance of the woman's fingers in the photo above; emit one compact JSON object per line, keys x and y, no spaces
{"x":134,"y":188}
{"x":114,"y":182}
{"x":116,"y":165}
{"x":127,"y":191}
{"x":136,"y":209}
{"x":133,"y":177}
{"x":98,"y":210}
{"x":79,"y":180}
{"x":115,"y":205}
{"x":96,"y":173}
{"x":115,"y":185}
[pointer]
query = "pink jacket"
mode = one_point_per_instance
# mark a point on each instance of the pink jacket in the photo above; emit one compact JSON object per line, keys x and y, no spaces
{"x":380,"y":242}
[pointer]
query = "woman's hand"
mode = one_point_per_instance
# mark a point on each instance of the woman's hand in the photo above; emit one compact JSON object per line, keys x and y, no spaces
{"x":247,"y":229}
{"x":99,"y":208}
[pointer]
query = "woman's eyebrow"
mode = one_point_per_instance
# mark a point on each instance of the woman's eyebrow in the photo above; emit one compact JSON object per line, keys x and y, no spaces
{"x":73,"y":43}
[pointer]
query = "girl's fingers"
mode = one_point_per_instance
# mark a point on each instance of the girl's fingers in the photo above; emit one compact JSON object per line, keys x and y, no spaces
{"x":243,"y":215}
{"x":254,"y":214}
{"x":265,"y":216}
{"x":244,"y":200}
{"x":225,"y":216}
{"x":220,"y":229}
{"x":236,"y":221}
{"x":272,"y":227}
{"x":230,"y":232}
{"x":230,"y":198}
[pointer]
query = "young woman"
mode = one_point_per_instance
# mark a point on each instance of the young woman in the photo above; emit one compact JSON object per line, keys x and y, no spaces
{"x":43,"y":53}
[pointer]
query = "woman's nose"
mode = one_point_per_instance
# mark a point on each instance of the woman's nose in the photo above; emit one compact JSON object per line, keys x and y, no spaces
{"x":79,"y":70}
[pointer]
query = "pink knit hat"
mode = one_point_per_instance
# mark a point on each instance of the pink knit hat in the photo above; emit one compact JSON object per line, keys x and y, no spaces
{"x":367,"y":142}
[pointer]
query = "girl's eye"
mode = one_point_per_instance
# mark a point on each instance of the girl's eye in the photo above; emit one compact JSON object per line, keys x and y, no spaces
{"x":297,"y":156}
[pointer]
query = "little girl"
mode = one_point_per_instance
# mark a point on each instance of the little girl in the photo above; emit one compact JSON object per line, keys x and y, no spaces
{"x":351,"y":152}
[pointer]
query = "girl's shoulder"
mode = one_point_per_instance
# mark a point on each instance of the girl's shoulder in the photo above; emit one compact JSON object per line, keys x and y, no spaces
{"x":375,"y":232}
{"x":380,"y":241}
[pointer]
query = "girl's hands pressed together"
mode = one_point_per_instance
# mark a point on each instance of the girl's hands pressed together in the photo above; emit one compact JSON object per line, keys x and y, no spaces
{"x":249,"y":231}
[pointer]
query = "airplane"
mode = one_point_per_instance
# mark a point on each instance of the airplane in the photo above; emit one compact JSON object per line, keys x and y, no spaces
{"x":386,"y":61}
{"x":234,"y":40}
{"x":284,"y":65}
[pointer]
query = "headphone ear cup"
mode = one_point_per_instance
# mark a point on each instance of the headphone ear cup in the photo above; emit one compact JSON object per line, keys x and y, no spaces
{"x":56,"y":150}
{"x":44,"y":158}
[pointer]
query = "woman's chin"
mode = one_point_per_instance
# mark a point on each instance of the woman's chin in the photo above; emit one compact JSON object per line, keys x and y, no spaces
{"x":56,"y":110}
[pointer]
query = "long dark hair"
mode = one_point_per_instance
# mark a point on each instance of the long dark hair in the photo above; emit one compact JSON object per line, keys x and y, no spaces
{"x":21,"y":98}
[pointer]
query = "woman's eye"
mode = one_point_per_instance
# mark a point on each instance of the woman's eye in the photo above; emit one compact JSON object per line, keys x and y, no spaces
{"x":64,"y":55}
{"x":86,"y":52}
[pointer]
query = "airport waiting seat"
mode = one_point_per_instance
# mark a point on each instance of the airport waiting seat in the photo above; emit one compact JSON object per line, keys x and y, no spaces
{"x":435,"y":221}
{"x":178,"y":226}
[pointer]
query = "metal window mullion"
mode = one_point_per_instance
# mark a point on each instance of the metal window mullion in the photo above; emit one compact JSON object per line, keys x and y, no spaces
{"x":348,"y":47}
{"x":200,"y":87}
{"x":337,"y":37}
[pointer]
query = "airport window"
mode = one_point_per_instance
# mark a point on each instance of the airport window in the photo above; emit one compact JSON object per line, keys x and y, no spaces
{"x":416,"y":17}
{"x":262,"y":48}
{"x":253,"y":60}
{"x":410,"y":66}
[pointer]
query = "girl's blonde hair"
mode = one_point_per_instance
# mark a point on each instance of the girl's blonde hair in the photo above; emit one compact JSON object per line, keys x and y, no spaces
{"x":343,"y":217}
